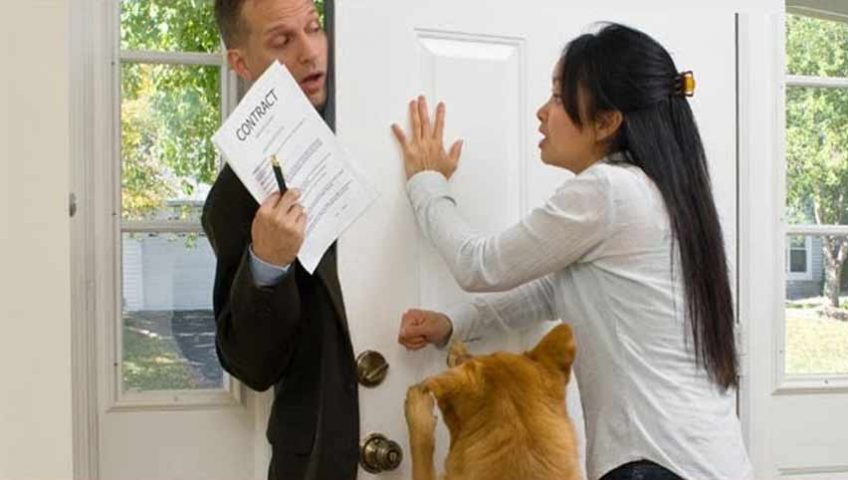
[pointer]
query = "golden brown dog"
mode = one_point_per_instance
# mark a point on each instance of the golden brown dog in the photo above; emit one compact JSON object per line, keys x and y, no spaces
{"x":506,"y":414}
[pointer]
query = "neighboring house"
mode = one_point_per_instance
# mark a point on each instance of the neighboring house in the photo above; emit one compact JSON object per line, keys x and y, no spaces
{"x":168,"y":272}
{"x":804,"y":268}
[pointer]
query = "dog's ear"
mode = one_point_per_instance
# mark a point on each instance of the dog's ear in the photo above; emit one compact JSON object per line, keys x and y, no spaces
{"x":445,"y":385}
{"x":457,"y":391}
{"x":466,"y":380}
{"x":556,"y":350}
{"x":457,"y":354}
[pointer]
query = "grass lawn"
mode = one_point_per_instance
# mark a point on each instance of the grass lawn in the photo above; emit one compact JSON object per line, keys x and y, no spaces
{"x":169,"y":351}
{"x":815,"y":344}
{"x":152,"y":363}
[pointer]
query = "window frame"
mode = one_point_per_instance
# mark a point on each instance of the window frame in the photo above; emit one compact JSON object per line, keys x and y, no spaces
{"x":823,"y":9}
{"x":785,"y":383}
{"x":111,"y":257}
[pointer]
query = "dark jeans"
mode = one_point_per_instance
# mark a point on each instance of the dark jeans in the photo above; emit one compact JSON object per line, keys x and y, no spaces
{"x":641,"y":470}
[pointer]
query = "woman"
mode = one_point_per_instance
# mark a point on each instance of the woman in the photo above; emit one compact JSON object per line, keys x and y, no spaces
{"x":629,"y":251}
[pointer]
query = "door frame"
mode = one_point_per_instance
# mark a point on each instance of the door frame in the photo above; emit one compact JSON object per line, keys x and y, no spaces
{"x":94,"y":185}
{"x":759,"y":97}
{"x":87,"y":25}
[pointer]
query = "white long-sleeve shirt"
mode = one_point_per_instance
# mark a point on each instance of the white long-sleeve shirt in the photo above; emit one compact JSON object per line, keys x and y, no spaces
{"x":597,"y":255}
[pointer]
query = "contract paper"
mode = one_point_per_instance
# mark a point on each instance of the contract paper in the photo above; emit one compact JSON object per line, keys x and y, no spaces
{"x":276,"y":118}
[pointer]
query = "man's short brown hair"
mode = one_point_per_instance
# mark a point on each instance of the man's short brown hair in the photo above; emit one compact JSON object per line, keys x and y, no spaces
{"x":230,"y":23}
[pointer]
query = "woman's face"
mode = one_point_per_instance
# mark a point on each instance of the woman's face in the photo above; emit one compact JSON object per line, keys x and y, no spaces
{"x":566,"y":145}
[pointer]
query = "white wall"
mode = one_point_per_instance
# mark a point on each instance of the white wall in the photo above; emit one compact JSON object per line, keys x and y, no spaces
{"x":35,"y":345}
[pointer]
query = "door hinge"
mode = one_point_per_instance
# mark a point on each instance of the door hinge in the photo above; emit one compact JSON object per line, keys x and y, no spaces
{"x":741,"y":349}
{"x":72,"y":205}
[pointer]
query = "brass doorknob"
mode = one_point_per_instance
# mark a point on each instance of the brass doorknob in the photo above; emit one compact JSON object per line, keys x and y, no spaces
{"x":379,"y":454}
{"x":371,"y":368}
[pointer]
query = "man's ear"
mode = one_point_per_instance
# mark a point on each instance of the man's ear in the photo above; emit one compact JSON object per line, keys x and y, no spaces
{"x":237,"y":61}
{"x":556,"y":350}
{"x":607,"y":124}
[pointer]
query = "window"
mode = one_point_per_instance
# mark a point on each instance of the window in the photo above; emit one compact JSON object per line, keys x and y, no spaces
{"x":174,"y":90}
{"x":798,"y":254}
{"x":816,"y":193}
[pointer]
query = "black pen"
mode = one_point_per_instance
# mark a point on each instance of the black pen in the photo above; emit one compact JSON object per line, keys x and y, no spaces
{"x":278,"y":172}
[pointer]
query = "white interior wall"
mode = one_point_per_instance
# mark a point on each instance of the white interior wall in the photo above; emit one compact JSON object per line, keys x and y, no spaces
{"x":35,"y":345}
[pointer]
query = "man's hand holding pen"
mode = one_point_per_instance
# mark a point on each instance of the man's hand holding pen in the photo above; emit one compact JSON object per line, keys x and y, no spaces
{"x":279,"y":225}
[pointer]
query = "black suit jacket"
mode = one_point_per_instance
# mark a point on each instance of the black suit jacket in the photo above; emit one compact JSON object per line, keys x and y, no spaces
{"x":292,"y":336}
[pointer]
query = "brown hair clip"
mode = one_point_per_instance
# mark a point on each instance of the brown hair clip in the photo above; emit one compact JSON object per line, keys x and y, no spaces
{"x":684,"y":84}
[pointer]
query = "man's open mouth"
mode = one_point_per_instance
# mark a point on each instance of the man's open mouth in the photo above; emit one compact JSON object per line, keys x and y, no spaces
{"x":312,"y":83}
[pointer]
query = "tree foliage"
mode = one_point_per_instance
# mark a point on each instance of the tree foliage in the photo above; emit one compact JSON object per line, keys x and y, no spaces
{"x":169,"y":26}
{"x":817,"y":136}
{"x":168,"y":112}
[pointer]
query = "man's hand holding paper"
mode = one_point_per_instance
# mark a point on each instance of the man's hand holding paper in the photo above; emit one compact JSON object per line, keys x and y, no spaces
{"x":275,"y":118}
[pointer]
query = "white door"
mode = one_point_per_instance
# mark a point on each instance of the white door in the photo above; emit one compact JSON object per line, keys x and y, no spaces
{"x":491,"y":62}
{"x":165,"y":409}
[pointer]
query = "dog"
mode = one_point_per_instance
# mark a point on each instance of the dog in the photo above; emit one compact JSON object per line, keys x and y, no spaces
{"x":505,"y":412}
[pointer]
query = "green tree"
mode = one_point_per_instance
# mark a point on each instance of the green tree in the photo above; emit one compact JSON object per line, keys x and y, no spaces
{"x":817,"y":137}
{"x":168,"y":112}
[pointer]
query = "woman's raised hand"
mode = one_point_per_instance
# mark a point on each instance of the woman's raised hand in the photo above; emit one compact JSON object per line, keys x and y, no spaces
{"x":424,"y":149}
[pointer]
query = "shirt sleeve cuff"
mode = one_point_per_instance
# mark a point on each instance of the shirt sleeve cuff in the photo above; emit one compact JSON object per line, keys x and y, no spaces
{"x":426,"y":185}
{"x":462,"y":318}
{"x":266,"y":274}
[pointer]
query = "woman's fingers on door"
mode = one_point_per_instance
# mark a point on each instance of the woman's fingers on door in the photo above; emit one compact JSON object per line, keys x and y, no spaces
{"x":400,"y":136}
{"x":424,"y":117}
{"x":439,"y":130}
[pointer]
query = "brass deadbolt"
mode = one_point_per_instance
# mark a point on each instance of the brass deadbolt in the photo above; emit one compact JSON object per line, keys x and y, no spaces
{"x":371,"y":368}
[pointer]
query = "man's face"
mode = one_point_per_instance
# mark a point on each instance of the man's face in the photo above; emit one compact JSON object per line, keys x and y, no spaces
{"x":289,"y":31}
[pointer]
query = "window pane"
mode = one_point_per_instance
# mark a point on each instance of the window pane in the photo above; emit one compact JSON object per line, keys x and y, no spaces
{"x":168,"y":116}
{"x":817,"y":155}
{"x":816,"y":47}
{"x":817,"y":312}
{"x":169,"y":26}
{"x":168,"y":324}
{"x":797,"y":242}
{"x":798,"y":261}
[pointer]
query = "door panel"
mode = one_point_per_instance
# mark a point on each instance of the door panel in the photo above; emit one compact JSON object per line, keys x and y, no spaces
{"x":450,"y":66}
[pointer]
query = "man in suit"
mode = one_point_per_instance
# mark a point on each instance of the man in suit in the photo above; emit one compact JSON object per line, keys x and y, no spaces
{"x":277,"y":325}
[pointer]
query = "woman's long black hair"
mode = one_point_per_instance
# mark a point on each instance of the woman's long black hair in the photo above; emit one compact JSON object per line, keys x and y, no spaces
{"x":622,"y":69}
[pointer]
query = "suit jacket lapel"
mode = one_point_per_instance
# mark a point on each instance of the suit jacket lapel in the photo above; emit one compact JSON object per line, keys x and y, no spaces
{"x":327,"y":271}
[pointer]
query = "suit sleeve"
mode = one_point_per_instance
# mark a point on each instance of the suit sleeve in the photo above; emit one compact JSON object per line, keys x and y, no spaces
{"x":256,"y":326}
